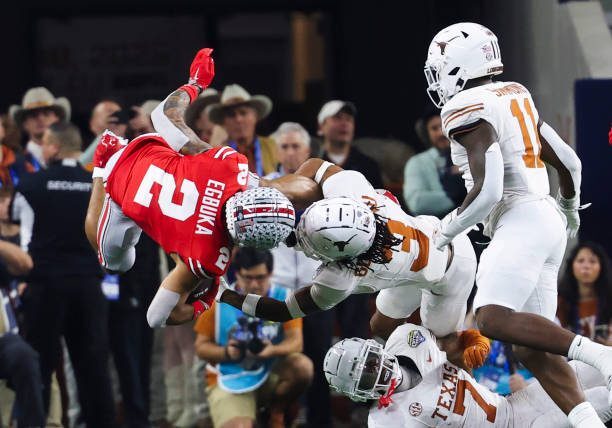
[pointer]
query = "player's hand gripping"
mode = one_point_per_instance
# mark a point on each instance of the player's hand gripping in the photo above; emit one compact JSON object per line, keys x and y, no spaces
{"x":202,"y":70}
{"x":476,"y":348}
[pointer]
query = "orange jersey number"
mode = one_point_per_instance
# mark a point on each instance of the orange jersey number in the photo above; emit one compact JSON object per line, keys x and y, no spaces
{"x":410,"y":233}
{"x":459,"y":408}
{"x":531,"y":159}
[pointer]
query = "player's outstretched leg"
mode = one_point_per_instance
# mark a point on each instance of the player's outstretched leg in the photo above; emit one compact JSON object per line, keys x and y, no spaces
{"x":540,"y":334}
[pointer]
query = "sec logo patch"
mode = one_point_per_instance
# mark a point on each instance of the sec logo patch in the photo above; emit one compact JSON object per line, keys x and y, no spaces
{"x":415,"y":409}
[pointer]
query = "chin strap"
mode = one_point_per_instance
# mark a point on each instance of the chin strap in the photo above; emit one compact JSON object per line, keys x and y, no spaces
{"x":386,"y":399}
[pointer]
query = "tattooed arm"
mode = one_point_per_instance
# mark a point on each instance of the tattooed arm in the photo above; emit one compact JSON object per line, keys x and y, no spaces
{"x":169,"y":120}
{"x":169,"y":117}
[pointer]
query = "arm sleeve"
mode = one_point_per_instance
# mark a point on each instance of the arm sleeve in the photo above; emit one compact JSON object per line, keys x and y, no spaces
{"x":419,"y":199}
{"x":490,"y":193}
{"x":347,"y":183}
{"x":326,"y":298}
{"x":24,"y":214}
{"x":173,"y":136}
{"x":565,"y":154}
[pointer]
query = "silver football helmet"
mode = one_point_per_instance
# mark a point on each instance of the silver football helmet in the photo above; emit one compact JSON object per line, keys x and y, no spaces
{"x":336,"y":229}
{"x":361,"y":369}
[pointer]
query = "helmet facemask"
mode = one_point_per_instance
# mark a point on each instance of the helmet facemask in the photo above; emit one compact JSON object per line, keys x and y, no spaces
{"x":361,"y":369}
{"x":378,"y":369}
{"x":438,"y":93}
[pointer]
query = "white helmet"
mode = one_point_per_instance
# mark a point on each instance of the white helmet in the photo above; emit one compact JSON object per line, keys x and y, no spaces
{"x":457,"y":54}
{"x":360,"y":369}
{"x":261,"y":217}
{"x":336,"y":229}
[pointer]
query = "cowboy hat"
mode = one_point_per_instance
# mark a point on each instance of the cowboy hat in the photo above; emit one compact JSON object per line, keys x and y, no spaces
{"x":235,"y":95}
{"x":38,"y":98}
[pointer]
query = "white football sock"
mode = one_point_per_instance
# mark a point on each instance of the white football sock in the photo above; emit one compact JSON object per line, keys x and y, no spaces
{"x":584,"y":416}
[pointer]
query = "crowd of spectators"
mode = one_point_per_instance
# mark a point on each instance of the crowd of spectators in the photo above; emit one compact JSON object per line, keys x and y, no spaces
{"x":74,"y":341}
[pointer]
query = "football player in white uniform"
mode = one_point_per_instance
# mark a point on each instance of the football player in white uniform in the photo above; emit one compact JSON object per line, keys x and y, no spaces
{"x":368,"y":244}
{"x":417,"y":386}
{"x":500,"y":144}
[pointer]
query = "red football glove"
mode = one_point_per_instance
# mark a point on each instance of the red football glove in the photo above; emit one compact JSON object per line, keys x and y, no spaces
{"x":203,"y":297}
{"x":108,"y":145}
{"x":202,"y":69}
{"x":610,"y":136}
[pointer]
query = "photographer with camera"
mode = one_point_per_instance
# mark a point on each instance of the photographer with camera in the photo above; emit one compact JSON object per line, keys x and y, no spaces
{"x":256,"y":363}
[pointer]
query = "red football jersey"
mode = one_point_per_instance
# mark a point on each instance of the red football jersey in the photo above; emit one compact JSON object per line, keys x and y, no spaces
{"x":178,"y":200}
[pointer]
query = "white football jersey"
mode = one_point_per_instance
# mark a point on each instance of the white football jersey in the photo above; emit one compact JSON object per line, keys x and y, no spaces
{"x":446,"y":396}
{"x":509,"y":109}
{"x":415,"y":261}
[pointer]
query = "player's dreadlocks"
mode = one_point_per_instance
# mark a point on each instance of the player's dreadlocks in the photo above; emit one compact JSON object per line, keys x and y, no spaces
{"x":380,"y":252}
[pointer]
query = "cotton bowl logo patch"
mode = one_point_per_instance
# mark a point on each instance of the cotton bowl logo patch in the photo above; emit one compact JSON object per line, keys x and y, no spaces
{"x":415,"y":338}
{"x":415,"y":409}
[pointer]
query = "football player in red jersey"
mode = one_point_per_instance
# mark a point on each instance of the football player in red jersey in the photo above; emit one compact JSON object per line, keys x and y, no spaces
{"x":217,"y":204}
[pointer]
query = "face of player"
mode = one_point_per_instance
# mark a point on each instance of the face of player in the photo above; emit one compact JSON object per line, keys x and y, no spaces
{"x":292,"y":151}
{"x":586,"y":266}
{"x":436,"y":136}
{"x":239,"y":122}
{"x":255,"y":280}
{"x":38,"y":121}
{"x":101,"y":120}
{"x":377,"y":373}
{"x":50,"y":148}
{"x":339,"y":128}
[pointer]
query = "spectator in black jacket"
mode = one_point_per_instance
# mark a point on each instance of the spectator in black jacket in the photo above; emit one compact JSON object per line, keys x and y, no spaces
{"x":64,"y":296}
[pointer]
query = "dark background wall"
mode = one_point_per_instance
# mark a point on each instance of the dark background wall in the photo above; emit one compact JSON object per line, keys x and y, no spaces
{"x":374,"y":52}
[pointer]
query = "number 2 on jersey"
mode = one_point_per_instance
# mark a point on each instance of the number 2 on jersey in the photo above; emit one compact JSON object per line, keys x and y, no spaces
{"x":157,"y":175}
{"x":531,"y":158}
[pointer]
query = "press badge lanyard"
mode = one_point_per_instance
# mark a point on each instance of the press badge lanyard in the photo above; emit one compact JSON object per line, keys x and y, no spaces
{"x":257,"y":154}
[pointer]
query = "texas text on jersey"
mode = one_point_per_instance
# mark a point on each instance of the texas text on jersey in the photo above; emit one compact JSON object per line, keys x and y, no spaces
{"x":446,"y":396}
{"x":188,"y":220}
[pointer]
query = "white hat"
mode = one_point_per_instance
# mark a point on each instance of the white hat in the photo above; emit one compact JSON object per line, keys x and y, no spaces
{"x":333,"y":107}
{"x":234,"y":95}
{"x":37,"y":98}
